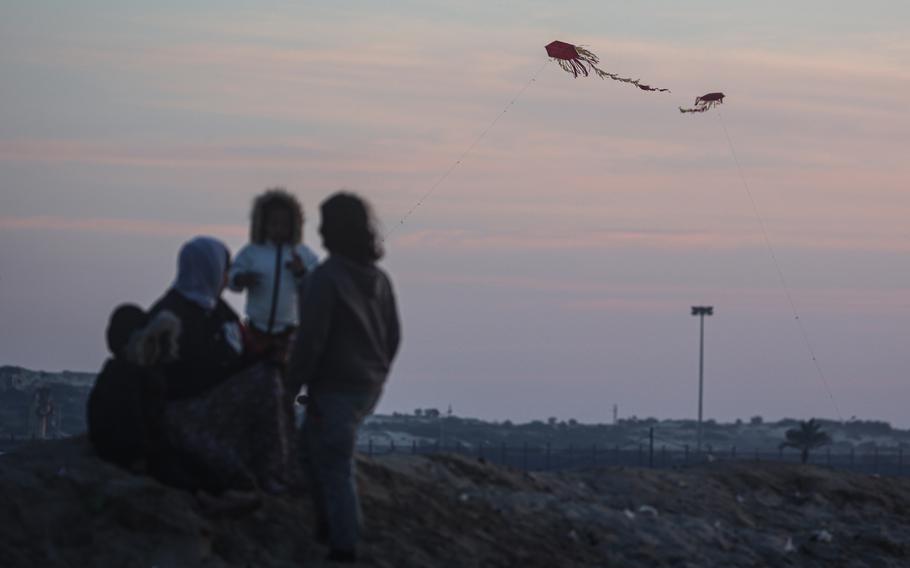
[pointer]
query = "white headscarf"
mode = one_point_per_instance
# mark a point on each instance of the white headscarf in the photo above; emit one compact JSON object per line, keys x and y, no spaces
{"x":200,"y":270}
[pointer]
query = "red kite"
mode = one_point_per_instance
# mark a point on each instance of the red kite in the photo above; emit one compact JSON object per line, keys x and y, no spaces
{"x":575,"y":59}
{"x":705,"y":102}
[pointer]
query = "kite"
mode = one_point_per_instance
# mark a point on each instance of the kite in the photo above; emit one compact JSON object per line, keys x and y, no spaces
{"x":575,"y":59}
{"x":705,"y":102}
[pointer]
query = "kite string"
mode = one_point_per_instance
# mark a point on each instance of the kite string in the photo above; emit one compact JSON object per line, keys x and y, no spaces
{"x":466,"y":152}
{"x":780,"y":272}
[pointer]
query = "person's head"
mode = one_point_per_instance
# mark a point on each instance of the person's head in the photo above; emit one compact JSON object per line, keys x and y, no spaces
{"x":136,"y":337}
{"x":277,"y":217}
{"x":202,"y":270}
{"x":125,"y":320}
{"x":348,"y":228}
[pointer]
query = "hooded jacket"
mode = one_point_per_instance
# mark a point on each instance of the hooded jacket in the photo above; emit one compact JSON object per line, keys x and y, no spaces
{"x":271,"y":305}
{"x":210,"y":345}
{"x":351,"y":332}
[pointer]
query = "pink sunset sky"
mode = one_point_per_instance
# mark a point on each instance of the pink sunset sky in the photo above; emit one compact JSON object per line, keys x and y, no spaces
{"x":552,"y":272}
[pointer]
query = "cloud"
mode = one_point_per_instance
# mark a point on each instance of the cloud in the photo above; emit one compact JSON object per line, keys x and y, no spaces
{"x":118,"y":226}
{"x":662,"y":240}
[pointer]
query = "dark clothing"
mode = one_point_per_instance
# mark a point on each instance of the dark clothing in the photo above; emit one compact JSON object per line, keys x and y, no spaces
{"x":210,"y":347}
{"x":227,"y":413}
{"x":238,"y":428}
{"x":124,"y":413}
{"x":349,"y":330}
{"x":348,"y":336}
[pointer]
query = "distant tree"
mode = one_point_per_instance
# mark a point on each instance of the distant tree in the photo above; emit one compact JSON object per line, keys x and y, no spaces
{"x":739,"y":422}
{"x":507,"y":424}
{"x":573,"y":422}
{"x":431,"y":412}
{"x":418,"y":412}
{"x":756,"y":421}
{"x":869,"y":427}
{"x":807,"y":437}
{"x":551,"y":421}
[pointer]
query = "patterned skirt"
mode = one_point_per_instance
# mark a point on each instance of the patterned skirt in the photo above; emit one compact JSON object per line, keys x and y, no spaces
{"x":237,"y":431}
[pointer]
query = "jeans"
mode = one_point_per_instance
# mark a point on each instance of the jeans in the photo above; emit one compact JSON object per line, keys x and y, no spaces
{"x":328,"y":439}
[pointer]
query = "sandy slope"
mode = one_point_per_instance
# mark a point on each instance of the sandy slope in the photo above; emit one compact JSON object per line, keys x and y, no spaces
{"x":61,"y":507}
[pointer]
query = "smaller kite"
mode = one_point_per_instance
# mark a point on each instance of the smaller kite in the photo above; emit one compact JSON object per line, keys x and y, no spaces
{"x":705,"y":102}
{"x":575,"y":59}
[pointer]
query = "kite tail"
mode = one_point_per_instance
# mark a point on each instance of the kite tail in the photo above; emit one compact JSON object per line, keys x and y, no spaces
{"x":700,"y":106}
{"x":696,"y":109}
{"x":586,"y":62}
{"x":644,"y":87}
{"x":572,"y":67}
{"x":637,"y":82}
{"x":592,"y":60}
{"x":586,"y":56}
{"x":565,"y":65}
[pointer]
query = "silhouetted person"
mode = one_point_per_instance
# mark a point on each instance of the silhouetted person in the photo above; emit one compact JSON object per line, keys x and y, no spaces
{"x":222,"y":407}
{"x":125,"y":409}
{"x":348,"y":336}
{"x":126,"y":404}
{"x":270,"y":268}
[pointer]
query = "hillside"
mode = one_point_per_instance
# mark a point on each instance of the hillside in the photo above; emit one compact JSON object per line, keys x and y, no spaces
{"x":864,"y":436}
{"x":59,"y":506}
{"x":69,"y":391}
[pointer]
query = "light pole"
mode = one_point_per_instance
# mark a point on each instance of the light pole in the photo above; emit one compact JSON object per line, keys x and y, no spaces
{"x":701,"y":312}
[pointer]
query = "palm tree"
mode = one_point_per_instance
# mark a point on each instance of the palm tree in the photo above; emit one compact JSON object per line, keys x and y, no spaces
{"x":806,"y":438}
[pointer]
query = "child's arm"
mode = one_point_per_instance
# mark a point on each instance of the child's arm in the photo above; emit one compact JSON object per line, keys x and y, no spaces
{"x":303,"y":261}
{"x":240,"y":276}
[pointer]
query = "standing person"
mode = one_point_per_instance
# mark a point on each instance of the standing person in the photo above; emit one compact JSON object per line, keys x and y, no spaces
{"x":343,"y":352}
{"x":270,"y":268}
{"x":223,"y":406}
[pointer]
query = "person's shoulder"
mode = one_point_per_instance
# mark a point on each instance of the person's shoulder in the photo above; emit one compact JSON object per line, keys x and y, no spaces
{"x":326,"y":273}
{"x":381,"y":273}
{"x":225,"y":311}
{"x":307,"y":254}
{"x":171,"y":300}
{"x":110,"y":367}
{"x":115,"y":374}
{"x":246,"y":249}
{"x":386,"y":280}
{"x":183,"y":309}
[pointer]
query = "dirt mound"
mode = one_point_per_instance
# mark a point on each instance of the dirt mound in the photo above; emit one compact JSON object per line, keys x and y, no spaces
{"x":59,"y":506}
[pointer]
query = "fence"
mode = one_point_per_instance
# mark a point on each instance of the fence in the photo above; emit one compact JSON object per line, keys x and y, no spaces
{"x":527,"y":457}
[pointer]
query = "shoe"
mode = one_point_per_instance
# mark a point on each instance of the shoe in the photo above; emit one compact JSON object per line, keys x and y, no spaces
{"x":342,"y":556}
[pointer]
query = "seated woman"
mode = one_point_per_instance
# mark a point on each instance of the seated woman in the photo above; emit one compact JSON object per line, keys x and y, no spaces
{"x":223,"y":408}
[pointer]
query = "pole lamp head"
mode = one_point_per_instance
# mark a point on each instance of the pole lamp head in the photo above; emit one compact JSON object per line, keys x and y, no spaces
{"x":702,"y":310}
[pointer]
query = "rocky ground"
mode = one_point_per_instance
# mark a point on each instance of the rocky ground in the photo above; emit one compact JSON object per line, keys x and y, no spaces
{"x":59,"y":506}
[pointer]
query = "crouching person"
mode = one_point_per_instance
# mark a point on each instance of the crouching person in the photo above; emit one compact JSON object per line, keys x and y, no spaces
{"x":126,"y":404}
{"x":348,"y":337}
{"x":125,"y":409}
